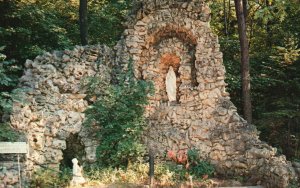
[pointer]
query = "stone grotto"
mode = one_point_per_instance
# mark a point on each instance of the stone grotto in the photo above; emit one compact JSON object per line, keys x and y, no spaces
{"x":171,"y":44}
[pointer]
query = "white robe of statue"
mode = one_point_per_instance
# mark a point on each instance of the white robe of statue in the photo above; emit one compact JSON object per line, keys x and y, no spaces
{"x":78,"y":178}
{"x":171,"y":84}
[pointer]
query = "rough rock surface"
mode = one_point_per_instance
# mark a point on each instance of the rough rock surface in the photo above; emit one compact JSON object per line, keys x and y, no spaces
{"x":203,"y":117}
{"x":160,"y":34}
{"x":55,"y":101}
{"x":9,"y":174}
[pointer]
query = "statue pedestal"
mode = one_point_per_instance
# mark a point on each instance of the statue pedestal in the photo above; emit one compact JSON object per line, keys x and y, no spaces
{"x":77,"y":180}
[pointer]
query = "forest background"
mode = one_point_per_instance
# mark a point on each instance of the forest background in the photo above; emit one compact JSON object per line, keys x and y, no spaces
{"x":31,"y":27}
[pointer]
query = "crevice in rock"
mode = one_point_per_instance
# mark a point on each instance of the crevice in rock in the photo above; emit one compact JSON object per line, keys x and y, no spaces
{"x":74,"y":149}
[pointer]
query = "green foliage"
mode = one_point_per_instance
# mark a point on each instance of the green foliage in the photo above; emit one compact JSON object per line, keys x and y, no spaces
{"x":8,"y":72}
{"x":287,"y":54}
{"x":278,"y":116}
{"x":179,"y":172}
{"x":275,"y":9}
{"x":49,"y":178}
{"x":118,"y":112}
{"x":107,"y":15}
{"x":8,"y":80}
{"x":201,"y":169}
{"x":7,"y":134}
{"x":166,"y":174}
{"x":190,"y":164}
{"x":275,"y":73}
{"x":294,"y":184}
{"x":193,"y":155}
{"x":27,"y":28}
{"x":197,"y":167}
{"x":135,"y":173}
{"x":31,"y":27}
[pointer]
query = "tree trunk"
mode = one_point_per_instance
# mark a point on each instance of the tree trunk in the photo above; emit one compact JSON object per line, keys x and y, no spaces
{"x":83,"y":22}
{"x":268,"y":29}
{"x":225,"y":18}
{"x":229,"y":28}
{"x":245,"y":10}
{"x":247,"y":108}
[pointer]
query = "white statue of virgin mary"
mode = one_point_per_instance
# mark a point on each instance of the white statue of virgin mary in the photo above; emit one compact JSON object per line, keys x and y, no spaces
{"x":171,"y":84}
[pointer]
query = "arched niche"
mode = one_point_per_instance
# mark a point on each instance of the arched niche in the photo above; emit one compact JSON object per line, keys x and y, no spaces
{"x":170,"y":31}
{"x":174,"y":49}
{"x":74,"y":149}
{"x":168,"y":60}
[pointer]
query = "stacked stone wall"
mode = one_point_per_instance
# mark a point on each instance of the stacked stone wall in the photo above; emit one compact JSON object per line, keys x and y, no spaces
{"x":55,"y":101}
{"x":9,"y":173}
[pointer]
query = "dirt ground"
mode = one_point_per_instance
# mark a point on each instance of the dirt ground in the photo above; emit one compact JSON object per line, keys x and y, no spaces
{"x":211,"y":183}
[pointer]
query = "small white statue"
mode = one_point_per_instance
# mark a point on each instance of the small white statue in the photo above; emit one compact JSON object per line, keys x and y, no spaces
{"x":171,"y":85}
{"x":78,"y":178}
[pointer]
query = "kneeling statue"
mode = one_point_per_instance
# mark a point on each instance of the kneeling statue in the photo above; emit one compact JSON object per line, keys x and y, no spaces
{"x":78,"y":178}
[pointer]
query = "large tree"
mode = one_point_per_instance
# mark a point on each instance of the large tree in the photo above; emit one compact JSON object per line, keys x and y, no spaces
{"x":83,"y":22}
{"x":241,"y":13}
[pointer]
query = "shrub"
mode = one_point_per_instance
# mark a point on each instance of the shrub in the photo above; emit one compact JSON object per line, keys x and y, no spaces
{"x":8,"y":80}
{"x":49,"y":178}
{"x":192,"y":164}
{"x":118,"y":113}
{"x":135,"y":173}
{"x":294,"y":184}
{"x":7,"y":134}
{"x":198,"y":167}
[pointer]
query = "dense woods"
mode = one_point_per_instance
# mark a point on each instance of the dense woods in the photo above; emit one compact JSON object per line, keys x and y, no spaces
{"x":241,"y":14}
{"x":274,"y":62}
{"x":30,"y":27}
